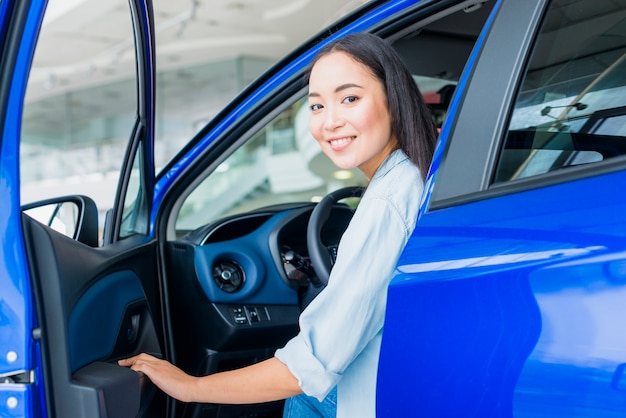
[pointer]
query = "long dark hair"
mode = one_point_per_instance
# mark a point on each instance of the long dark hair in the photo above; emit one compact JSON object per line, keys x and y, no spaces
{"x":411,"y":120}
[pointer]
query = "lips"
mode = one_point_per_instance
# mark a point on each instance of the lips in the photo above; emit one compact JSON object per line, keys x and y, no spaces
{"x":338,"y":144}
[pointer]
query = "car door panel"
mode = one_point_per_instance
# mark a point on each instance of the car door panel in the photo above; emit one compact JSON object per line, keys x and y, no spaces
{"x":513,"y":318}
{"x":107,"y":390}
{"x":112,"y":306}
{"x":94,"y":310}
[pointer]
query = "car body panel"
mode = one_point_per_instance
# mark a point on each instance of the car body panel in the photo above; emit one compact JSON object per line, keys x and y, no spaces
{"x":507,"y":298}
{"x":95,"y":306}
{"x":501,"y":283}
{"x":19,"y":350}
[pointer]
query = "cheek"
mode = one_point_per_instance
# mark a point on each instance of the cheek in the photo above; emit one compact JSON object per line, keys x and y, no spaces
{"x":378,"y":122}
{"x":368,"y":122}
{"x":315,"y":129}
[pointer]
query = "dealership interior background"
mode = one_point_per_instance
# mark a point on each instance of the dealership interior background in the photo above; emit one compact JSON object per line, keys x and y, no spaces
{"x":207,"y":52}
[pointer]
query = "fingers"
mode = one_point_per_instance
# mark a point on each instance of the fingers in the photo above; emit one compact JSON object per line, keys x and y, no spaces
{"x":163,"y":374}
{"x":135,"y":361}
{"x":126,"y":362}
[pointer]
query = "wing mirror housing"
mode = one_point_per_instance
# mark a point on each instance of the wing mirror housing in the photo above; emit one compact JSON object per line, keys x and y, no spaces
{"x":74,"y":216}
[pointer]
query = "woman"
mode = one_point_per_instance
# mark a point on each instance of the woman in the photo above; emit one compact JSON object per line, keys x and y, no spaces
{"x":366,"y":112}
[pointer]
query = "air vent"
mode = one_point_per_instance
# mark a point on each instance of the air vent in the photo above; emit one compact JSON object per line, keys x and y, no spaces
{"x":228,"y":276}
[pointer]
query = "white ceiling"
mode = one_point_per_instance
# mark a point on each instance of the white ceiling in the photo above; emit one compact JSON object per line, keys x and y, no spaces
{"x":85,"y":40}
{"x":85,"y":56}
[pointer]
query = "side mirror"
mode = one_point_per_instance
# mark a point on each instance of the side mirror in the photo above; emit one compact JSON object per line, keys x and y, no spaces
{"x":74,"y":216}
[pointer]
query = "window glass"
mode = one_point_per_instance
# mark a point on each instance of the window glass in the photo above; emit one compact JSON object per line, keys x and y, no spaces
{"x":571,"y":106}
{"x":61,"y":216}
{"x":80,"y":103}
{"x":282,"y":163}
{"x":132,"y":221}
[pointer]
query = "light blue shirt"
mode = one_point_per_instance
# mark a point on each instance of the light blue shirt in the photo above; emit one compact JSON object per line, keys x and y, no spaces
{"x":341,"y":330}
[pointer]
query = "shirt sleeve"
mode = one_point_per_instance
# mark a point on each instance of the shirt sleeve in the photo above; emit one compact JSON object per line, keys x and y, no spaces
{"x":349,"y":312}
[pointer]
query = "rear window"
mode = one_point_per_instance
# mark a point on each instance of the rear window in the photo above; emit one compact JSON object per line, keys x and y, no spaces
{"x":571,"y":107}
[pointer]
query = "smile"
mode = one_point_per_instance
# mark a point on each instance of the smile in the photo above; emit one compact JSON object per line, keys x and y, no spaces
{"x":340,"y":143}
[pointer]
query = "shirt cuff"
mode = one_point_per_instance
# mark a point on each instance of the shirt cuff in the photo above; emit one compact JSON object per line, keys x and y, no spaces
{"x":313,"y":378}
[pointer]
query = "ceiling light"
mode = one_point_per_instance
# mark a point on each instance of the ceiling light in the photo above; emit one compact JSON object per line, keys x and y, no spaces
{"x":343,"y":175}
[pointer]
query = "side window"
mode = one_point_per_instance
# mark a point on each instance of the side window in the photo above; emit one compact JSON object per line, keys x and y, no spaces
{"x":571,"y":105}
{"x":134,"y":198}
{"x":80,"y":103}
{"x":281,"y":163}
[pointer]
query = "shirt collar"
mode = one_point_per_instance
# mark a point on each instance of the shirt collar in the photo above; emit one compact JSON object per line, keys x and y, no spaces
{"x":392,"y":160}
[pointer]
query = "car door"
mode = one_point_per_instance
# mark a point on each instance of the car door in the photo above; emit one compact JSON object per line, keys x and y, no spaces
{"x":74,"y":306}
{"x":509,"y":297}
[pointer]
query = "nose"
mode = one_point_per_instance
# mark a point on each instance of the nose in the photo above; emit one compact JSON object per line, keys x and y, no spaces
{"x":334,"y":119}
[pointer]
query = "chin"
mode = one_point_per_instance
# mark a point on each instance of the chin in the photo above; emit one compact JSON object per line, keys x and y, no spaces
{"x":345,"y":165}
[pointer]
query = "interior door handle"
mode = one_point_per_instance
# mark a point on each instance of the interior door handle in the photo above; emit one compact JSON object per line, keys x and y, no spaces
{"x":133,"y":329}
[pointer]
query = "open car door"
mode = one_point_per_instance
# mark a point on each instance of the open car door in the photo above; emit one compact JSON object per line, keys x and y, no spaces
{"x":71,"y":307}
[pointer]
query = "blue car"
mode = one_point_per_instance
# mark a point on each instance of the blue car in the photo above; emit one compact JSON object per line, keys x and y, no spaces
{"x":508,"y":301}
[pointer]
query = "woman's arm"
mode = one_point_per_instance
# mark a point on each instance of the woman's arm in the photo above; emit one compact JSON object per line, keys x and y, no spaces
{"x":266,"y":381}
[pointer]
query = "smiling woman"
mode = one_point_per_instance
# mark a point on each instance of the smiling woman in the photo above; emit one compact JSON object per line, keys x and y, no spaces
{"x":355,"y":85}
{"x":349,"y":119}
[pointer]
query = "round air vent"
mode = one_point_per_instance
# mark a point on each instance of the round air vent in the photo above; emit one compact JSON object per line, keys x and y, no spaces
{"x":228,"y":276}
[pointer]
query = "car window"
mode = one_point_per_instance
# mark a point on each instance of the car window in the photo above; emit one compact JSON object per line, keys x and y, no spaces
{"x":571,"y":106}
{"x":80,"y":103}
{"x":281,"y":163}
{"x":132,"y":221}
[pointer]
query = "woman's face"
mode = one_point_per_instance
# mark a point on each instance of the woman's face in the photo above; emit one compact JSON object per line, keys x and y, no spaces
{"x":349,"y":115}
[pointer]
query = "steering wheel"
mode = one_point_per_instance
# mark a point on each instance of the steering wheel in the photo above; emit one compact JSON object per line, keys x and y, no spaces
{"x":320,"y":255}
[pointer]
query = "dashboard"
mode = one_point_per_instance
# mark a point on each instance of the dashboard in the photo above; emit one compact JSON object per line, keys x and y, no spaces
{"x":267,"y":247}
{"x":240,"y":282}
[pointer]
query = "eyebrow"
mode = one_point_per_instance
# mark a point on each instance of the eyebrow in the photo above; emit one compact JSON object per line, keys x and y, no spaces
{"x":338,"y":89}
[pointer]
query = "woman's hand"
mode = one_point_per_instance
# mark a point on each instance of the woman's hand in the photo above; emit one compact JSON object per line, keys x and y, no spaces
{"x":268,"y":380}
{"x":169,"y":378}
